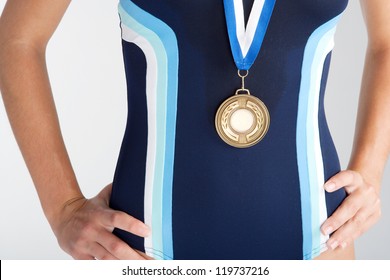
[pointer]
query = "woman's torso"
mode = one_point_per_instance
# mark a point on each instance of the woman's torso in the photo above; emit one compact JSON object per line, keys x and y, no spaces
{"x":202,"y":198}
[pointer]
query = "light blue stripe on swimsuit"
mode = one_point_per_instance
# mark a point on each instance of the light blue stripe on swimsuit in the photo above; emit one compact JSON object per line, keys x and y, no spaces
{"x":309,"y":155}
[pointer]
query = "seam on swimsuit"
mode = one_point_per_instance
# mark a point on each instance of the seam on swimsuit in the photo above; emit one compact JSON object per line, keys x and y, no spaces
{"x":315,"y":252}
{"x":158,"y":253}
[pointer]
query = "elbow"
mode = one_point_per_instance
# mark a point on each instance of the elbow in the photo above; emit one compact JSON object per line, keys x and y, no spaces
{"x":378,"y":55}
{"x":20,"y":43}
{"x":16,"y":56}
{"x":378,"y":48}
{"x":10,"y":46}
{"x":14,"y":45}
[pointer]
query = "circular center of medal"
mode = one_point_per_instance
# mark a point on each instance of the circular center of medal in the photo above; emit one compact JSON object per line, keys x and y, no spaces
{"x":242,"y":120}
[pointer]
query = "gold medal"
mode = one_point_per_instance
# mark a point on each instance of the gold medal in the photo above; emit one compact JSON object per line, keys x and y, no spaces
{"x":242,"y":120}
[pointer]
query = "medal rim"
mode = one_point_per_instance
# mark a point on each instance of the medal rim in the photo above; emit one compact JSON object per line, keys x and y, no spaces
{"x":222,"y":134}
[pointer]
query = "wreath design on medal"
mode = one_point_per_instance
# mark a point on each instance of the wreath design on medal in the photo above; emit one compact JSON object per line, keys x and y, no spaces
{"x":249,"y":127}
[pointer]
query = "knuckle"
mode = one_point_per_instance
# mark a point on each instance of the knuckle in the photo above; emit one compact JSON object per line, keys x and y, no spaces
{"x":78,"y":242}
{"x":111,"y":216}
{"x":358,"y":221}
{"x":115,"y":247}
{"x":370,"y":189}
{"x":358,"y":177}
{"x":87,"y":229}
{"x":114,"y":218}
{"x":350,"y":175}
{"x":80,"y":239}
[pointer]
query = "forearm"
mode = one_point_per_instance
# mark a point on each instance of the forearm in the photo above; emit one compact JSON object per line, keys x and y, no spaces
{"x":372,"y":137}
{"x":30,"y":107}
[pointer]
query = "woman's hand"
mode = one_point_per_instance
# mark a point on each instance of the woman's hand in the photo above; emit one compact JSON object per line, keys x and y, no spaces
{"x":359,"y":211}
{"x":84,"y":229}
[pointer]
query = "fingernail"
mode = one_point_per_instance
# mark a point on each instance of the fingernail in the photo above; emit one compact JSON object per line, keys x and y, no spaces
{"x":330,"y":187}
{"x":328,"y":230}
{"x":333,"y":245}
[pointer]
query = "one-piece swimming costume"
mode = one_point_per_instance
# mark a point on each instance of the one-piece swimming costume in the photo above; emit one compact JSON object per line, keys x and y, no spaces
{"x":202,"y":198}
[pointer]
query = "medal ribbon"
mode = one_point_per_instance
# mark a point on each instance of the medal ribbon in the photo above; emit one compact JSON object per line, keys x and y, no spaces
{"x":246,"y":42}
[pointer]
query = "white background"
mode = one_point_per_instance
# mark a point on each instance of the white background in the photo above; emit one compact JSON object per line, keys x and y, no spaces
{"x":85,"y":65}
{"x":192,"y":269}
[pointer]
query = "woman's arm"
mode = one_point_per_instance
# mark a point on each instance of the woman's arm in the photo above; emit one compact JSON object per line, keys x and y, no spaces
{"x":371,"y":148}
{"x":83,"y":227}
{"x":372,"y":138}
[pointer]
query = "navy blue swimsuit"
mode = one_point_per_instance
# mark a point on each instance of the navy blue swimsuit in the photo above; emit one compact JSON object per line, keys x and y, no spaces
{"x":202,"y":198}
